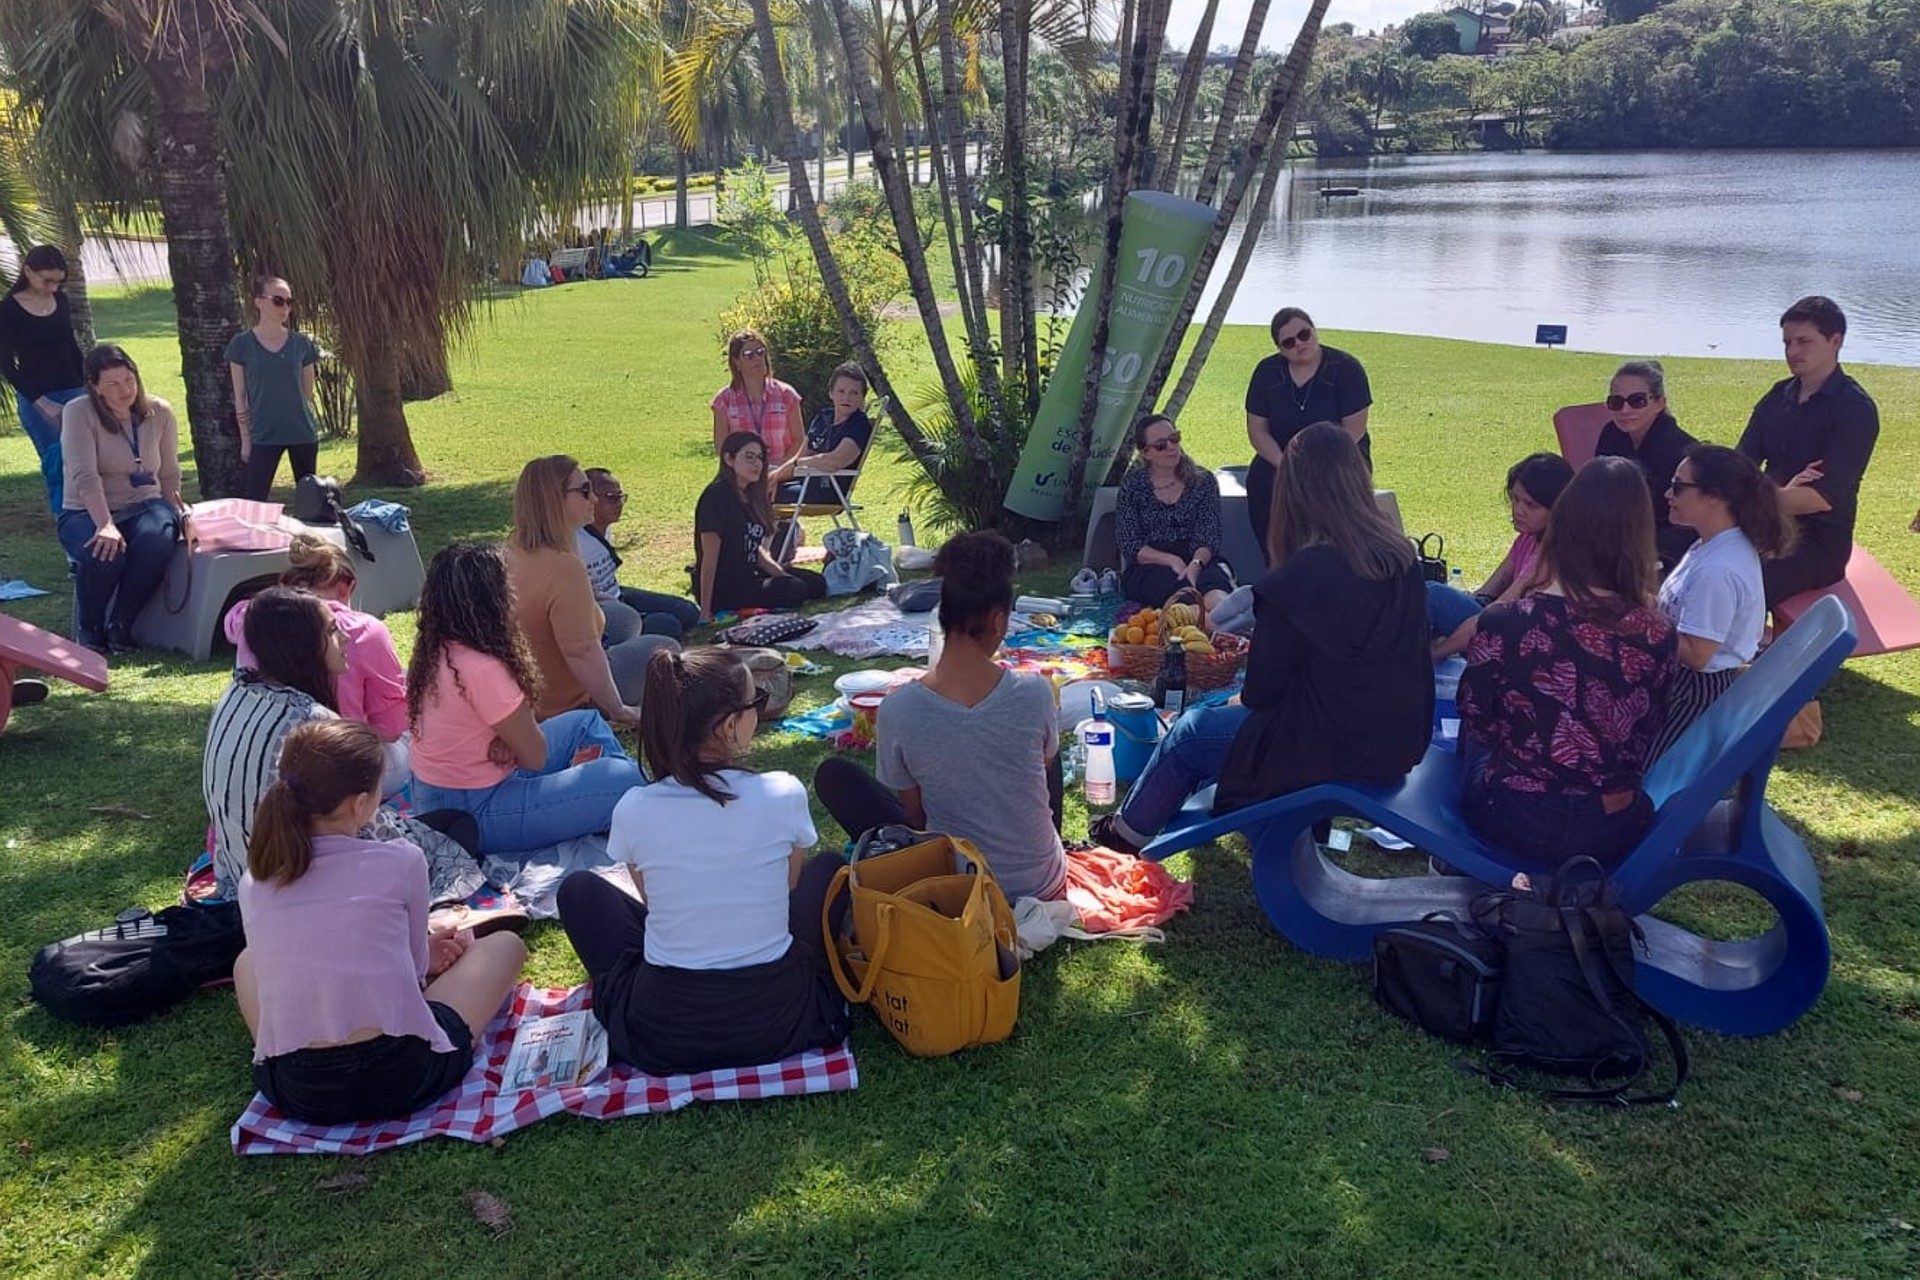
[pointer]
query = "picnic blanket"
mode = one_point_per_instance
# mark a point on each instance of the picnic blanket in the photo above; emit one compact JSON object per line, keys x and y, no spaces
{"x":480,"y":1111}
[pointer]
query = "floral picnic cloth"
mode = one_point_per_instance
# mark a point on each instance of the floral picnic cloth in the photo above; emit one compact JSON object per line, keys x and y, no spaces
{"x":480,"y":1110}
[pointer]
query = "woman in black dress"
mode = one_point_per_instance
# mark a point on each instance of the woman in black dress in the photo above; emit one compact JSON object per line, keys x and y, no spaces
{"x":1300,"y":384}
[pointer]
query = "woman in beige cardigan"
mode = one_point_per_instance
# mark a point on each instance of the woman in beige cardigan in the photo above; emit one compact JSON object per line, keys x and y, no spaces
{"x":122,"y":514}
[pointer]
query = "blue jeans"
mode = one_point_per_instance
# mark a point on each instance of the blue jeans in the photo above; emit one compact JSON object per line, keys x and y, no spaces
{"x":528,"y":811}
{"x":1188,"y":758}
{"x":46,"y":442}
{"x":127,"y":581}
{"x":1448,"y":607}
{"x":665,"y":615}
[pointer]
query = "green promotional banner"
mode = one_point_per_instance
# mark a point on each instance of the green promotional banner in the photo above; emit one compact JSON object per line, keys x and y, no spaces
{"x":1160,"y":241}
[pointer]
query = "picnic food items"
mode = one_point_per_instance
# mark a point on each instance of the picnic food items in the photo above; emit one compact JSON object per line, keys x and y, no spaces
{"x":1135,"y":646}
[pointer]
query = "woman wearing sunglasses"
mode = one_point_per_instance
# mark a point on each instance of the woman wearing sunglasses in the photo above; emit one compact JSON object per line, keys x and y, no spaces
{"x":1643,"y":430}
{"x":721,"y":961}
{"x":1300,"y":384}
{"x":272,"y":366}
{"x":754,"y":400}
{"x":1716,"y":595}
{"x":1167,"y":521}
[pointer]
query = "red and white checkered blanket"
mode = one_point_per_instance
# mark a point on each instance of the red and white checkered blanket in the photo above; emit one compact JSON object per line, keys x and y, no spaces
{"x":480,"y":1111}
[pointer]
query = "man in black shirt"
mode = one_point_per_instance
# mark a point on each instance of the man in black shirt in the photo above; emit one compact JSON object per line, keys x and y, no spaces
{"x":1813,"y":434}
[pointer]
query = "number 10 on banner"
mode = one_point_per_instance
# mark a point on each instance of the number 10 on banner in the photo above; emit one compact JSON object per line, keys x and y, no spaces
{"x":1163,"y":271}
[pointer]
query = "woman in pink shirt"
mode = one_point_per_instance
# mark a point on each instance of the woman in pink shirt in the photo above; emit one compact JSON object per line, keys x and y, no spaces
{"x":1533,"y":486}
{"x":373,"y":688}
{"x":356,"y":1012}
{"x":754,"y":400}
{"x":471,"y":688}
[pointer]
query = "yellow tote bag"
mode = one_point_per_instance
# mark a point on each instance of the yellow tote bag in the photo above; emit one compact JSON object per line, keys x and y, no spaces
{"x":930,"y":945}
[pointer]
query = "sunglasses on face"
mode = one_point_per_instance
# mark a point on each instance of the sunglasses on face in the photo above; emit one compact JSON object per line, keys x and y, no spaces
{"x":584,"y":490}
{"x":1288,"y":344}
{"x":276,"y":299}
{"x":753,"y":353}
{"x":1677,"y":485}
{"x":751,"y":457}
{"x":1638,"y":400}
{"x":615,"y":495}
{"x":758,"y":704}
{"x":1165,"y":442}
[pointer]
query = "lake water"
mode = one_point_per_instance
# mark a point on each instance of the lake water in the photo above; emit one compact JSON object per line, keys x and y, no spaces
{"x":1662,"y":253}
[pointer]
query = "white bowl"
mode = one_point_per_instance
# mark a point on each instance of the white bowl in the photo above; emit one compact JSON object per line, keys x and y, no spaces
{"x":864,"y":682}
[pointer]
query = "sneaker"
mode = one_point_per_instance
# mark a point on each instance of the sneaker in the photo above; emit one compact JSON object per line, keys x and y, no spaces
{"x":1086,"y":582}
{"x":1110,"y":583}
{"x":88,"y":638}
{"x":1104,"y":831}
{"x":120,"y":638}
{"x":27,"y":691}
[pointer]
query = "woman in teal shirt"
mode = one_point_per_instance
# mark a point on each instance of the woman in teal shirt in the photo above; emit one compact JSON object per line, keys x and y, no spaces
{"x":273,"y":367}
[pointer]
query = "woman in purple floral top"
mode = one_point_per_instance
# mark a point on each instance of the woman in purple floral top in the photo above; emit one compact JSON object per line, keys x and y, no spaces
{"x":1566,"y":689}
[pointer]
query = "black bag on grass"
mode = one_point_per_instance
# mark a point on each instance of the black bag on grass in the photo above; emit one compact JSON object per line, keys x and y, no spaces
{"x":1442,"y":975}
{"x":140,"y":964}
{"x":1567,"y":1003}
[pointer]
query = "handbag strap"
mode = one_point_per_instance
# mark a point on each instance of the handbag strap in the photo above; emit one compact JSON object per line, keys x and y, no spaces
{"x":1440,"y":553}
{"x":1575,"y":921}
{"x":861,"y":993}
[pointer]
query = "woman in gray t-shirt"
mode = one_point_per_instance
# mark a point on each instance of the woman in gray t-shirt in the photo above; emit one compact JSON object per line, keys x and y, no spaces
{"x":272,"y":366}
{"x":973,"y":749}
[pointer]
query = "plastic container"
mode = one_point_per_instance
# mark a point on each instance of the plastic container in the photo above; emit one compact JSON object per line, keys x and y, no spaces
{"x":1096,"y":738}
{"x":865,"y":707}
{"x":1136,"y":732}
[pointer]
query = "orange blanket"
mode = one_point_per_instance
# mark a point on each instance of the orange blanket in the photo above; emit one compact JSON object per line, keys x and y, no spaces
{"x":1114,"y":890}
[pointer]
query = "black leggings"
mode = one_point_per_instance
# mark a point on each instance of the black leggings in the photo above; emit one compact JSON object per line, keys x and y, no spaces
{"x":790,"y":592}
{"x":666,"y":1020}
{"x":264,"y":461}
{"x":859,"y":803}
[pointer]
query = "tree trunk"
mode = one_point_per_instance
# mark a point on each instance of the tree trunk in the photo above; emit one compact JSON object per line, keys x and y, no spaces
{"x":190,"y":168}
{"x":885,"y":159}
{"x":1283,"y":101}
{"x":424,"y":370}
{"x":1190,"y":73}
{"x":780,"y":100}
{"x":1017,"y":337}
{"x":386,"y":455}
{"x":73,"y":243}
{"x":1230,"y":102}
{"x":825,"y":103}
{"x":680,"y":216}
{"x":1135,"y":118}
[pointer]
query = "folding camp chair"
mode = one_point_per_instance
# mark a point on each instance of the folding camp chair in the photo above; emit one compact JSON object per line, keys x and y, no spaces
{"x":840,"y":482}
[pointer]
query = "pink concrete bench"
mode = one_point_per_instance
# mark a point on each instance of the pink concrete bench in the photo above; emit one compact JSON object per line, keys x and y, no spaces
{"x":24,"y":645}
{"x":1887,"y":617}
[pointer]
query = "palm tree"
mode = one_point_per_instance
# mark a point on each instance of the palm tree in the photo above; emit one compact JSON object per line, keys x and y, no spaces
{"x":156,"y":69}
{"x":413,"y":135}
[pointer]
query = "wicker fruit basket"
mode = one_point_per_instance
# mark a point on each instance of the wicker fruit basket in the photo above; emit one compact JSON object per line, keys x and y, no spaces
{"x":1137,"y":644}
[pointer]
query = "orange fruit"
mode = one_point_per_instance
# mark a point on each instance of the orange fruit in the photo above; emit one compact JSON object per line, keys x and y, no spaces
{"x":1136,"y":636}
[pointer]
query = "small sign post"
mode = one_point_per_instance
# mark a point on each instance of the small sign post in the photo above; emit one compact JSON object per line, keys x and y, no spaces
{"x":1550,"y":335}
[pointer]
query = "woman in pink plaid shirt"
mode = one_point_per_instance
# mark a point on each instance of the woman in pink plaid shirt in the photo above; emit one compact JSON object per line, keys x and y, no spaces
{"x":757,"y":401}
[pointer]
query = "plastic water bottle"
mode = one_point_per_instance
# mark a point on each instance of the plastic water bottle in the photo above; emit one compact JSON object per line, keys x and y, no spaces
{"x":1457,"y":580}
{"x":1096,"y":739}
{"x":904,"y":530}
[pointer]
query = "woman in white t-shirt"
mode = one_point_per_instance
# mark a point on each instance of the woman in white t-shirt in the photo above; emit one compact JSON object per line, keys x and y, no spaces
{"x":722,"y":962}
{"x":1714,"y":595}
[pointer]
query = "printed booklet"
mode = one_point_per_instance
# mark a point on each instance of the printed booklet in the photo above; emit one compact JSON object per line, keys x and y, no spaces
{"x":553,"y":1053}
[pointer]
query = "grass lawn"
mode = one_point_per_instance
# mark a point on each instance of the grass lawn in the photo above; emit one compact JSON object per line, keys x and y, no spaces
{"x":1219,"y":1105}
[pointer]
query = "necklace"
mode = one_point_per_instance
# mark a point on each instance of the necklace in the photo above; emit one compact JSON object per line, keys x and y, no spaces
{"x":1302,"y":394}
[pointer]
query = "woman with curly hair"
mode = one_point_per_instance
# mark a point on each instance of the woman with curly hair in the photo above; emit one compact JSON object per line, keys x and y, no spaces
{"x":471,"y":690}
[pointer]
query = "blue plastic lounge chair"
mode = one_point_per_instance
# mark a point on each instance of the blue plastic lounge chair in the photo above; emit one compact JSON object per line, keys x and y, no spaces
{"x":1751,"y":986}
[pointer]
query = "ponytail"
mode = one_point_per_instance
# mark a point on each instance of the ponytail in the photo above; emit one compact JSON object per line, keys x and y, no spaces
{"x":687,"y":695}
{"x":323,"y":763}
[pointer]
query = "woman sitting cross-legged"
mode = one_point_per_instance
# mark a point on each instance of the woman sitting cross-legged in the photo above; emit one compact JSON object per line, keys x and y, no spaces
{"x":471,"y":690}
{"x":732,"y":523}
{"x":1715,"y":595}
{"x":356,"y":1012}
{"x":1339,"y":680}
{"x":972,"y":750}
{"x":1566,"y":688}
{"x":1534,"y":484}
{"x":724,"y":963}
{"x":1166,"y":521}
{"x":553,"y":603}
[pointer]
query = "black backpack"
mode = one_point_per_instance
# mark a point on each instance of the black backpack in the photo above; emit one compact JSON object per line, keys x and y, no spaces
{"x":1441,"y":974}
{"x":140,"y":964}
{"x":1567,"y":1002}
